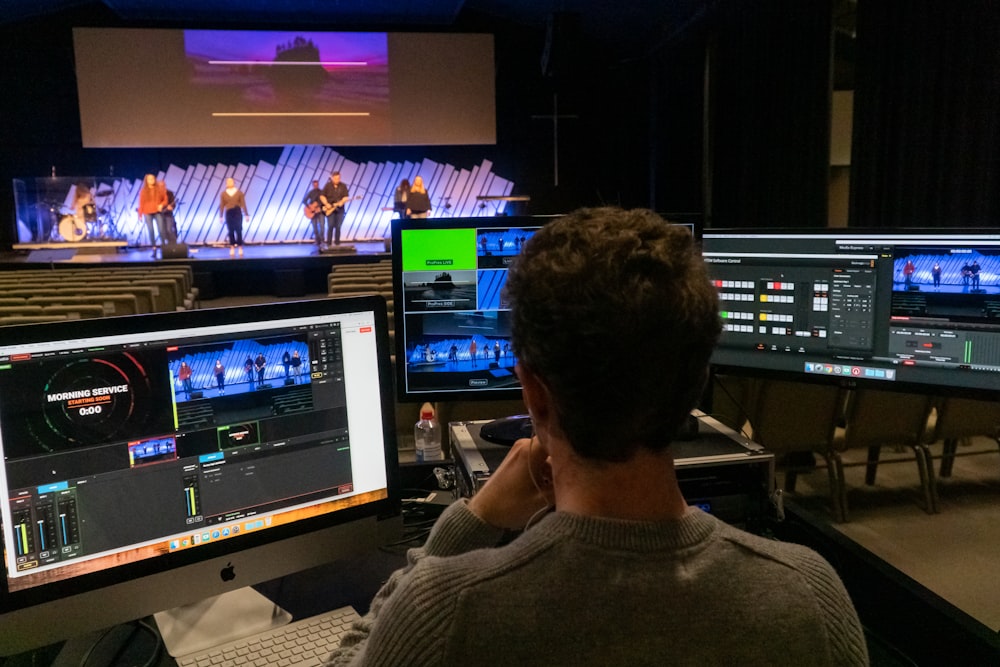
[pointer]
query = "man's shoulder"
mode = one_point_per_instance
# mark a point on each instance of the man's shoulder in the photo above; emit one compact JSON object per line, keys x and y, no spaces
{"x":784,"y":555}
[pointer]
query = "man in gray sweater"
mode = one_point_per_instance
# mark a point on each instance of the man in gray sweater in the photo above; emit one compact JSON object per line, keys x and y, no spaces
{"x":611,"y":566}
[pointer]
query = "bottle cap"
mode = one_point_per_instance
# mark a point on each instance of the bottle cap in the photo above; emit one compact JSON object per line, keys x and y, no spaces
{"x":427,"y":411}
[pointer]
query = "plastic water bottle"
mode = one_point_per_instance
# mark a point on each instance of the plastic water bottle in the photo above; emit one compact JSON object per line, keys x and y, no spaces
{"x":427,"y":436}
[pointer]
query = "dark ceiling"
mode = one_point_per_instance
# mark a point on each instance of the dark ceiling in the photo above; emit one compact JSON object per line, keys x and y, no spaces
{"x":625,"y":29}
{"x":353,"y":12}
{"x":629,"y":26}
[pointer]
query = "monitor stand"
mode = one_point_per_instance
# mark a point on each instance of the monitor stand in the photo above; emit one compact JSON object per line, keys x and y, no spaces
{"x":507,"y":430}
{"x":218,"y":620}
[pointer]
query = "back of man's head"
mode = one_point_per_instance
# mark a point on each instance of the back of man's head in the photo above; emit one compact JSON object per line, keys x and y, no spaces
{"x":614,"y":312}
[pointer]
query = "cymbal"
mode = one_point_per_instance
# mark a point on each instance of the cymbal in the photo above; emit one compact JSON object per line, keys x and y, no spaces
{"x":104,"y":193}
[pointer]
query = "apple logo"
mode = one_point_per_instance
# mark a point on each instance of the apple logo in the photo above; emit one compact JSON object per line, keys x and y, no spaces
{"x":228,"y":573}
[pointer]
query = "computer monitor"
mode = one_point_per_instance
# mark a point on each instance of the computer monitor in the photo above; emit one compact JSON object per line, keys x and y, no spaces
{"x":156,"y":461}
{"x":908,"y":310}
{"x":452,"y":319}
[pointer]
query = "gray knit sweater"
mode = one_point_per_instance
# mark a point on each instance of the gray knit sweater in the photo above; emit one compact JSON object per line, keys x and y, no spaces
{"x":576,"y":590}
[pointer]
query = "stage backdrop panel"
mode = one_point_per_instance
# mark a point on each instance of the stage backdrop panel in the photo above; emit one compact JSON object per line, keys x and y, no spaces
{"x":275,"y":194}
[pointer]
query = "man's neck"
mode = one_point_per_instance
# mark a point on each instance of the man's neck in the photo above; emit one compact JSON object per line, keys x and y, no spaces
{"x":644,"y":488}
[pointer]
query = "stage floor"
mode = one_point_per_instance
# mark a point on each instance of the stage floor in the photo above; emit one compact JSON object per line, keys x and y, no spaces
{"x":279,"y":269}
{"x":100,"y":253}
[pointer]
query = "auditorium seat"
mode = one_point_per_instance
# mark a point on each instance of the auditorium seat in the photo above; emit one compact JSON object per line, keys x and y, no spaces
{"x":147,"y":282}
{"x":954,"y":423}
{"x":875,"y":419}
{"x":67,"y":286}
{"x":185,"y":294}
{"x":22,"y":309}
{"x":731,"y":396}
{"x":112,"y":303}
{"x":75,"y":311}
{"x":144,"y":294}
{"x":166,"y":293}
{"x":795,"y":421}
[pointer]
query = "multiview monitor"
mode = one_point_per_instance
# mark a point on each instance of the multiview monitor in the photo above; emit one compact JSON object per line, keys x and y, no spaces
{"x":452,"y":318}
{"x":156,"y":461}
{"x":915,"y":310}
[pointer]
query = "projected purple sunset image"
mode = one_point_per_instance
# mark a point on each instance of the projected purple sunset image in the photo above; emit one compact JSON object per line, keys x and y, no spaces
{"x":287,"y":73}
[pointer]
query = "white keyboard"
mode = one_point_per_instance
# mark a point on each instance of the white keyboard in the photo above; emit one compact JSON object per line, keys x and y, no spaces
{"x":303,"y":643}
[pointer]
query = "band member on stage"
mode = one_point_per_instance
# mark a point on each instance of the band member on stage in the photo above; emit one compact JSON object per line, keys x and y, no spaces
{"x":168,"y":226}
{"x":152,"y":201}
{"x":232,"y":210}
{"x":83,"y":203}
{"x":334,"y":200}
{"x":908,"y":270}
{"x":314,"y":211}
{"x":220,"y":376}
{"x":418,"y":204}
{"x":400,"y":197}
{"x":184,"y":375}
{"x":260,"y":363}
{"x":73,"y":226}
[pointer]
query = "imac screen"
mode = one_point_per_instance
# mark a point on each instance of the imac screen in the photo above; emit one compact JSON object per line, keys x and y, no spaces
{"x":134,"y":446}
{"x":910,"y":310}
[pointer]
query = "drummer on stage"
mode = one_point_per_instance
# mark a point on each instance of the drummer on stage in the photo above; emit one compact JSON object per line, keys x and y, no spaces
{"x":73,"y":224}
{"x":83,"y":203}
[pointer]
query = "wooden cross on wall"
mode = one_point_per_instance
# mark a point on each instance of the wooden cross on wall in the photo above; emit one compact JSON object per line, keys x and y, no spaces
{"x":554,"y":117}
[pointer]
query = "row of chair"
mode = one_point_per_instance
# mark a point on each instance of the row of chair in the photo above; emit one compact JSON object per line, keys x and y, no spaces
{"x":182,"y":273}
{"x":796,"y":420}
{"x":42,"y":295}
{"x":360,"y":277}
{"x":369,"y":278}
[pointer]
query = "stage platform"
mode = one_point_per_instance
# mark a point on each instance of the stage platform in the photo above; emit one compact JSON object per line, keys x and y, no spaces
{"x":285,"y":269}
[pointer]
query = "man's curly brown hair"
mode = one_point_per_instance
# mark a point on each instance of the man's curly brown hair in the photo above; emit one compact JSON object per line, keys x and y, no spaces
{"x":614,"y":311}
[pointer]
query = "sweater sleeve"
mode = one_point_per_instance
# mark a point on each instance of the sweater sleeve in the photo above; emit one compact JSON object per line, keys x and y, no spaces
{"x":401,"y":622}
{"x":843,"y":627}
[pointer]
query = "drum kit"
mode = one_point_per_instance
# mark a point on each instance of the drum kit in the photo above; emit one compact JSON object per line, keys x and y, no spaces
{"x":86,"y":222}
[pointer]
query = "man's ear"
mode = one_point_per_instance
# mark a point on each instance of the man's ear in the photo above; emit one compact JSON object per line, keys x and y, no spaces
{"x":536,"y":398}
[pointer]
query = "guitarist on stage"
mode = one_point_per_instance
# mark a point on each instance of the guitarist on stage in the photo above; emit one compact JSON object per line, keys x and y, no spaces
{"x":333,"y":199}
{"x":313,"y":209}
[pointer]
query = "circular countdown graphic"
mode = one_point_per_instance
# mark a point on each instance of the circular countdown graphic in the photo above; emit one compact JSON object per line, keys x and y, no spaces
{"x":94,"y":400}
